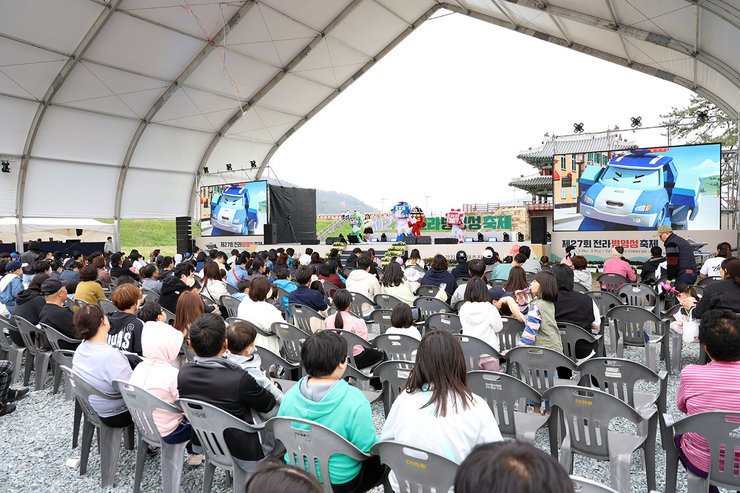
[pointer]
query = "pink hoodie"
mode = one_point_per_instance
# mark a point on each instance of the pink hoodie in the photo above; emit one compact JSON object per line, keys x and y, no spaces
{"x":160,"y":344}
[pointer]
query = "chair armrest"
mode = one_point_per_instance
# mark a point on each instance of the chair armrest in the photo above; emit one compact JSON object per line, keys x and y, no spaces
{"x":647,"y":413}
{"x":668,"y":420}
{"x":663,"y":375}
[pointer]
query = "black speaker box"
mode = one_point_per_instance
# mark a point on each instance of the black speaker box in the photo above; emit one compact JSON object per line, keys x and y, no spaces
{"x":353,"y":239}
{"x":423,"y":240}
{"x":445,"y":241}
{"x":184,"y":234}
{"x":310,"y":242}
{"x":271,"y":234}
{"x":331,"y":240}
{"x":410,"y":240}
{"x":538,"y":230}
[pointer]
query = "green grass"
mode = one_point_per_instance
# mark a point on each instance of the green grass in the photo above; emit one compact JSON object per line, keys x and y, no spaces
{"x":146,"y":235}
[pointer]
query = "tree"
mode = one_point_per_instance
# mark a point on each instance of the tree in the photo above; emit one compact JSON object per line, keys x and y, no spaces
{"x":686,"y":126}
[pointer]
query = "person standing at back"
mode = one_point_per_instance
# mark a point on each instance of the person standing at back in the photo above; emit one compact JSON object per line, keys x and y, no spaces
{"x":679,"y":255}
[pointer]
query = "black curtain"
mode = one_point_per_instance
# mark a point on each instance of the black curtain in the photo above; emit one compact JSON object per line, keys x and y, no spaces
{"x":296,"y":207}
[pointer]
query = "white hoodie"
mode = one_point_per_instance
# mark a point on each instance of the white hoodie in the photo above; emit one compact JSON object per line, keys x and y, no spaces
{"x":481,"y":320}
{"x":360,"y":281}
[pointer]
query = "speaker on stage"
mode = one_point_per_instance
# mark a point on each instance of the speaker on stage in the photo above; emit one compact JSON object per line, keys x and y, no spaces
{"x":424,"y":240}
{"x":331,"y":240}
{"x":271,"y":234}
{"x":445,"y":241}
{"x":184,"y":234}
{"x":353,"y":239}
{"x":410,"y":240}
{"x":538,"y":231}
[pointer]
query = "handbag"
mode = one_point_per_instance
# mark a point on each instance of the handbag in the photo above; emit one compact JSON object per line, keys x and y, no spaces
{"x":690,"y":329}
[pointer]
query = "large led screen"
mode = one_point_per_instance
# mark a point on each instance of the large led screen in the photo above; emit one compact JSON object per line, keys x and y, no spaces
{"x":236,"y":209}
{"x":638,"y":189}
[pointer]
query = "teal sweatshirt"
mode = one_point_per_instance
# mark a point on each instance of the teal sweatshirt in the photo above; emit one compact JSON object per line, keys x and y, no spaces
{"x":344,"y":410}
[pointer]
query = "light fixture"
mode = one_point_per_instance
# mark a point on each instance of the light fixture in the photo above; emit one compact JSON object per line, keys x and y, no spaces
{"x":5,"y":167}
{"x":701,"y":116}
{"x":205,"y":170}
{"x":636,"y":121}
{"x":228,"y":166}
{"x":578,"y":128}
{"x":253,"y":164}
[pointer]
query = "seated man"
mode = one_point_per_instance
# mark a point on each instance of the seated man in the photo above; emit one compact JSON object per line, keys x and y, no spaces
{"x":711,"y":387}
{"x":325,"y":398}
{"x":55,"y":314}
{"x":213,"y":379}
{"x":72,"y":273}
{"x":303,"y":294}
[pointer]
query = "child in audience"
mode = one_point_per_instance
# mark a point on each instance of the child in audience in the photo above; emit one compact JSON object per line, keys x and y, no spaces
{"x":687,"y":298}
{"x":364,"y":357}
{"x":402,"y":322}
{"x":243,"y":290}
{"x":277,"y":477}
{"x":325,"y":398}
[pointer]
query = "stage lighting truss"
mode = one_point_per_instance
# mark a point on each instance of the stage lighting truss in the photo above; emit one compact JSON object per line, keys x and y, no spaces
{"x":636,"y":121}
{"x":578,"y":128}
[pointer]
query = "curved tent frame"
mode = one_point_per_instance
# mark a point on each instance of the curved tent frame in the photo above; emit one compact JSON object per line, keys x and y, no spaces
{"x":128,"y":93}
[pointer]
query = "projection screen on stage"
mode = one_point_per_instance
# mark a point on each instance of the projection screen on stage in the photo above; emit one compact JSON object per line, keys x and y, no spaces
{"x":234,"y":209}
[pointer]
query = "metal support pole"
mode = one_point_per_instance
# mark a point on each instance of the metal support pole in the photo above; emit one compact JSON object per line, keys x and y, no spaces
{"x":19,"y":235}
{"x":117,"y":234}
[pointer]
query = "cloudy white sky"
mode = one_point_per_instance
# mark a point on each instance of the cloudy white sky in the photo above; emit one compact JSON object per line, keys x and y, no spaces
{"x":446,"y":112}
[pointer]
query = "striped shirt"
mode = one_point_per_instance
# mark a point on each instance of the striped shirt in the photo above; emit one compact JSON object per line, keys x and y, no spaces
{"x":711,"y":387}
{"x":534,"y":320}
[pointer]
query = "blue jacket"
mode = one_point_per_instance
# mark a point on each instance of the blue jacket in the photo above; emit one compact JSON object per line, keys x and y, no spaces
{"x":308,"y":297}
{"x":11,"y":288}
{"x":435,"y":277}
{"x":236,"y":274}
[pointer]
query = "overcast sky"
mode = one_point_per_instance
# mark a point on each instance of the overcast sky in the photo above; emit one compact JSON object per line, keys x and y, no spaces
{"x":446,"y":112}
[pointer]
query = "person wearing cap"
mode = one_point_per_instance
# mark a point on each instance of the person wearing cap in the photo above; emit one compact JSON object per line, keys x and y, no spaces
{"x":679,"y":256}
{"x":55,"y":314}
{"x":462,"y":268}
{"x":11,"y":284}
{"x":490,"y":258}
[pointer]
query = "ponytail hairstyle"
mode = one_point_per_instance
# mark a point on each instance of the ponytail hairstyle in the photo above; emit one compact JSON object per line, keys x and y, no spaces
{"x":724,"y":249}
{"x":731,"y":266}
{"x":342,"y":300}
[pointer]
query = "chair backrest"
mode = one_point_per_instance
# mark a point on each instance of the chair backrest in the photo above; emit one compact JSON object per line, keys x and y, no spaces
{"x":263,"y":333}
{"x":579,"y":288}
{"x":306,"y":318}
{"x":498,"y":282}
{"x":63,"y":357}
{"x":107,"y":306}
{"x":360,"y":304}
{"x":604,"y":301}
{"x":149,"y":295}
{"x":428,"y":305}
{"x":283,"y":295}
{"x":537,"y":365}
{"x":707,"y":281}
{"x":32,"y":336}
{"x":530,"y":277}
{"x":443,"y":321}
{"x":699,"y":290}
{"x":268,"y":359}
{"x":459,"y":281}
{"x":382,"y":318}
{"x":617,"y":376}
{"x":429,"y":291}
{"x":611,"y":282}
{"x":672,"y":311}
{"x":55,"y":337}
{"x":352,"y":340}
{"x":231,"y":289}
{"x":141,"y":404}
{"x":209,"y":424}
{"x":583,"y":485}
{"x":330,"y":288}
{"x":386,"y":301}
{"x":588,"y":413}
{"x":721,"y":430}
{"x":510,"y":332}
{"x":502,"y":393}
{"x":633,"y":322}
{"x":473,"y":348}
{"x":169,"y":314}
{"x":393,"y":375}
{"x":415,"y":469}
{"x":69,"y":303}
{"x":397,"y":347}
{"x":570,"y":334}
{"x":291,"y":338}
{"x":310,"y":445}
{"x":230,"y":303}
{"x":638,"y":294}
{"x":353,"y":373}
{"x":83,"y":390}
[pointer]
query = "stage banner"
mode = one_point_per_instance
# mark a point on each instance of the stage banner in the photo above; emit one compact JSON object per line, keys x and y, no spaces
{"x":439,"y":224}
{"x":293,"y":211}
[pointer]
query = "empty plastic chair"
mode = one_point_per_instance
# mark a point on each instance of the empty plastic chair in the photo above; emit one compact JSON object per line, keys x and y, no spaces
{"x":291,"y":338}
{"x":611,"y":282}
{"x":209,"y":424}
{"x":474,"y":348}
{"x":141,"y":404}
{"x":14,"y":351}
{"x":34,"y":338}
{"x":636,"y":326}
{"x":638,"y":294}
{"x":107,"y":306}
{"x":382,"y":318}
{"x":397,"y":347}
{"x":416,"y":469}
{"x":393,"y":376}
{"x":306,"y":318}
{"x":570,"y":334}
{"x":230,"y":303}
{"x":719,"y":429}
{"x":429,"y":291}
{"x":310,"y":445}
{"x":585,"y":415}
{"x":109,"y":439}
{"x":386,"y":301}
{"x":428,"y":306}
{"x":583,"y":485}
{"x":443,"y":321}
{"x":510,"y":333}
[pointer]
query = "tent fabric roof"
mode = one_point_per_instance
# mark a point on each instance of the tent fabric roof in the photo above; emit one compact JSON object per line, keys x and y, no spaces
{"x":130,"y":94}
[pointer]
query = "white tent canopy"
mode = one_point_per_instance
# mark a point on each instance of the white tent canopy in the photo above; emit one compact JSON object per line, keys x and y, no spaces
{"x":59,"y":229}
{"x":123,"y":95}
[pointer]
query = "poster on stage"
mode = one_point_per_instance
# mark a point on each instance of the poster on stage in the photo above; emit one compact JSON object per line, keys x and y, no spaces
{"x":638,"y":189}
{"x":234,"y":209}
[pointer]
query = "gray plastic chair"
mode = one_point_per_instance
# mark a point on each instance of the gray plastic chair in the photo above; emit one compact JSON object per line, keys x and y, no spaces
{"x":268,"y":359}
{"x":443,"y":321}
{"x":583,"y":485}
{"x":13,"y":351}
{"x":459,"y":281}
{"x":604,"y":301}
{"x":393,"y":376}
{"x":311,"y":445}
{"x":231,"y":289}
{"x":397,"y":347}
{"x":283,"y":296}
{"x":428,"y":306}
{"x":141,"y":404}
{"x":611,"y":282}
{"x":719,"y":429}
{"x":352,"y":340}
{"x":428,"y":291}
{"x":579,"y":288}
{"x":362,"y":306}
{"x":59,"y":341}
{"x":510,"y":332}
{"x":536,"y":366}
{"x":71,"y":304}
{"x":230,"y":303}
{"x":708,"y":281}
{"x":630,"y":325}
{"x":570,"y":334}
{"x":291,"y":338}
{"x":259,"y":331}
{"x":638,"y":294}
{"x":107,"y":306}
{"x":382,"y":318}
{"x":149,"y":295}
{"x":473,"y":348}
{"x":415,"y":469}
{"x":585,"y":415}
{"x":210,"y":424}
{"x":386,"y":301}
{"x":170,"y":316}
{"x":306,"y":318}
{"x":33,"y":338}
{"x":507,"y":396}
{"x":109,"y":439}
{"x":330,"y":288}
{"x":361,"y":379}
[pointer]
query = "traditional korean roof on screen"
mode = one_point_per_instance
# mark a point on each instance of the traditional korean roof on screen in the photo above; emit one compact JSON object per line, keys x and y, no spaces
{"x":574,"y":145}
{"x":134,"y":94}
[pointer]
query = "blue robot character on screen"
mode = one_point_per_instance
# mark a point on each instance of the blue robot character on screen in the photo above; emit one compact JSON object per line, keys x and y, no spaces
{"x":641,"y":189}
{"x":401,"y":212}
{"x":231,"y":212}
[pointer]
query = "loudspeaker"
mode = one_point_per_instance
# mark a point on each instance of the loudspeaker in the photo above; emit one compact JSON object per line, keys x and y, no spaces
{"x":331,"y":240}
{"x":424,"y":240}
{"x":311,"y":242}
{"x":410,"y":240}
{"x":271,"y":234}
{"x":538,"y":230}
{"x":445,"y":241}
{"x":184,"y":234}
{"x":353,"y":239}
{"x":78,"y":231}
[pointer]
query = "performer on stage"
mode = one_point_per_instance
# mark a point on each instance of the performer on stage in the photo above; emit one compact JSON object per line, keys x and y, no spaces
{"x":354,"y":220}
{"x":367,"y":227}
{"x":401,"y":212}
{"x":418,"y":221}
{"x":456,"y":220}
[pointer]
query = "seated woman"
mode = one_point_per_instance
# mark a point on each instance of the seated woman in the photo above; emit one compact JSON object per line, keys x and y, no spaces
{"x":436,"y":411}
{"x":150,"y":278}
{"x":89,"y":289}
{"x":395,"y":284}
{"x":438,"y":275}
{"x":261,"y":313}
{"x":711,"y":387}
{"x":213,"y":284}
{"x":364,"y":357}
{"x":328,"y":273}
{"x":480,"y":319}
{"x":722,"y":295}
{"x":402,"y":321}
{"x":618,"y":265}
{"x":517,"y":281}
{"x":99,"y":364}
{"x":580,"y":274}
